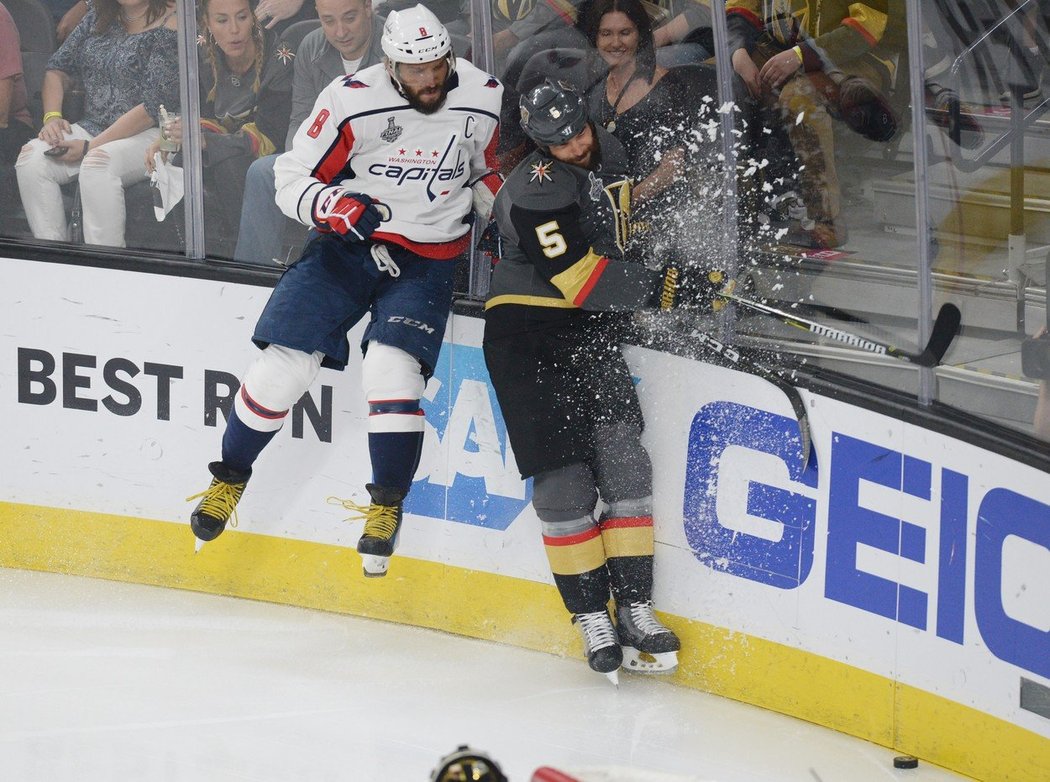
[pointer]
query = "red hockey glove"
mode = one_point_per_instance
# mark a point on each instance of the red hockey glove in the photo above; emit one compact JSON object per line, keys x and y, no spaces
{"x":351,"y":215}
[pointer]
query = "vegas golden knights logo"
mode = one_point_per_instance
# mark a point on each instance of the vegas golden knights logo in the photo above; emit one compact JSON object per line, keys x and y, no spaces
{"x":512,"y":10}
{"x":619,"y":195}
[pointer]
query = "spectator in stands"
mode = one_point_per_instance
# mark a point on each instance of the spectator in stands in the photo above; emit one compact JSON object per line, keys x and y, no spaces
{"x":686,"y":37}
{"x":347,"y":41}
{"x":681,"y":36}
{"x":279,"y":15}
{"x":1041,"y":419}
{"x":1027,"y":68}
{"x":68,"y":14}
{"x":514,"y":21}
{"x":125,"y":52}
{"x":819,"y":62}
{"x":654,"y":112}
{"x":16,"y":126}
{"x":246,"y":97}
{"x":943,"y":105}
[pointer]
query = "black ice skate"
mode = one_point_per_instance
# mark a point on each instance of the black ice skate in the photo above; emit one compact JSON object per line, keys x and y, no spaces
{"x":218,"y":502}
{"x":648,"y":646}
{"x":382,"y":527}
{"x":601,"y":643}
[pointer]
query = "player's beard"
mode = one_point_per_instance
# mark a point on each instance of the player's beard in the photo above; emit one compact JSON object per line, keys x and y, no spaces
{"x":592,"y":158}
{"x":429,"y":105}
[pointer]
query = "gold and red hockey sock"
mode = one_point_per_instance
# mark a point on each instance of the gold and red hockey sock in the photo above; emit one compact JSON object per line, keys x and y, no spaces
{"x":629,"y":546}
{"x":577,"y":562}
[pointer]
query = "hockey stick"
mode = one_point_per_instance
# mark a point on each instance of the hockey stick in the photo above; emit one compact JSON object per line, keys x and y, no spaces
{"x":775,"y":376}
{"x":945,"y":327}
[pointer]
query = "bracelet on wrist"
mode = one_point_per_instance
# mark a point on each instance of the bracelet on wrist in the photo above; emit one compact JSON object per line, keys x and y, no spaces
{"x":86,"y":145}
{"x":52,"y":115}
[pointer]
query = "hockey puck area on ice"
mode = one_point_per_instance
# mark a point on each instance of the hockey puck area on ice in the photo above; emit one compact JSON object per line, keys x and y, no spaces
{"x":905,"y":761}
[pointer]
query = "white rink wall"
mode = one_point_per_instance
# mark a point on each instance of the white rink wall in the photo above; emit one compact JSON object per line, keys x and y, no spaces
{"x":897,"y":588}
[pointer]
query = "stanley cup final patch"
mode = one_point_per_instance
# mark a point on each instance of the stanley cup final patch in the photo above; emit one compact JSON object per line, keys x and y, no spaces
{"x":392,"y":132}
{"x":596,"y":187}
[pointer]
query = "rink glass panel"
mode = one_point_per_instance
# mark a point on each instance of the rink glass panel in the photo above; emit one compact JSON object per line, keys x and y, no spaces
{"x":958,"y":218}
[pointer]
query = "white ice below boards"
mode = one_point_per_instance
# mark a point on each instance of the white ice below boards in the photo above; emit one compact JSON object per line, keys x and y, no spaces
{"x":106,"y":681}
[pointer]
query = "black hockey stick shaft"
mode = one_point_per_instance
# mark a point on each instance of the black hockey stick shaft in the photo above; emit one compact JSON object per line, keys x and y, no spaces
{"x":775,"y":376}
{"x":945,"y":327}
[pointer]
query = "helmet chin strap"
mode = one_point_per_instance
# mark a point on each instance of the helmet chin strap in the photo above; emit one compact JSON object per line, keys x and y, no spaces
{"x":392,"y":70}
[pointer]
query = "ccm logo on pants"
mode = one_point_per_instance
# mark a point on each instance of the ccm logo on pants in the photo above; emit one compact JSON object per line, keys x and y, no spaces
{"x":415,"y":324}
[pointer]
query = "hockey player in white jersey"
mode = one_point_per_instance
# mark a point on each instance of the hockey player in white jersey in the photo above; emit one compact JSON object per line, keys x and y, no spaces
{"x":387,"y":171}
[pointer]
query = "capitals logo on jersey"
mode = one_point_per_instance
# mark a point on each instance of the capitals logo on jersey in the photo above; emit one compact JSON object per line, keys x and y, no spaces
{"x":423,"y":165}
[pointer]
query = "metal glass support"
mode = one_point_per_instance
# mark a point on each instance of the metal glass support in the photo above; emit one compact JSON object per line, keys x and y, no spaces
{"x":727,"y":121}
{"x":484,"y":58}
{"x":724,"y":72}
{"x":920,"y":159}
{"x":189,"y":95}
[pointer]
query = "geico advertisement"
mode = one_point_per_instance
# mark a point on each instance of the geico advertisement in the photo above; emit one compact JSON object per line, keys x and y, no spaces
{"x":894,"y":549}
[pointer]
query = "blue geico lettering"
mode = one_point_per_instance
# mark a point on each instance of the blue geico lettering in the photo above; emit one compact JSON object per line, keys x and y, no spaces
{"x":782,"y":563}
{"x":1004,"y":519}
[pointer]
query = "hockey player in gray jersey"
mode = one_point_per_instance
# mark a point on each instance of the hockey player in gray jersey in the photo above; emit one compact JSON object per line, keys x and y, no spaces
{"x":559,"y":300}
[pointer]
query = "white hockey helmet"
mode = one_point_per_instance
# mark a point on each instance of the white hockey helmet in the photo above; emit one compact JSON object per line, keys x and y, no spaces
{"x":415,"y":35}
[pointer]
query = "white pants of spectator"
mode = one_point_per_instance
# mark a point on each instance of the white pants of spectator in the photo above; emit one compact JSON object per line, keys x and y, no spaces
{"x":103,"y":173}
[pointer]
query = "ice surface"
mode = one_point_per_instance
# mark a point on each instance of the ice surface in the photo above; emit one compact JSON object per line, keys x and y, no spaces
{"x":110,"y":681}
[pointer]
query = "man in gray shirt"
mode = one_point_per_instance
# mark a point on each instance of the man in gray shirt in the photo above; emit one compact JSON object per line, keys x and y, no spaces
{"x":347,"y":41}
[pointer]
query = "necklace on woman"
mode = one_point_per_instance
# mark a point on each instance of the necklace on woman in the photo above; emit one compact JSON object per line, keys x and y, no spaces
{"x":611,"y":124}
{"x":127,"y":18}
{"x":235,"y":76}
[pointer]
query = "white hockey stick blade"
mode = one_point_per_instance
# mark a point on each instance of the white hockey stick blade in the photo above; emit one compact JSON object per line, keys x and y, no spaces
{"x":643,"y":662}
{"x":374,"y":566}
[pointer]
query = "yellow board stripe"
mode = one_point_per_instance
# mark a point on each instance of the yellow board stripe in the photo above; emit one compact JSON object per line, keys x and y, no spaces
{"x":521,"y":613}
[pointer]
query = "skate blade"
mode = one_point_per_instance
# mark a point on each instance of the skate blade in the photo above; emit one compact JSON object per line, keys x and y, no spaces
{"x":198,"y":544}
{"x":374,"y":566}
{"x":643,"y":662}
{"x":614,"y":677}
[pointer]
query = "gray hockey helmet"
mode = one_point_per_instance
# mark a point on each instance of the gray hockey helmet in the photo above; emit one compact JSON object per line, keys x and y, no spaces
{"x":552,"y":112}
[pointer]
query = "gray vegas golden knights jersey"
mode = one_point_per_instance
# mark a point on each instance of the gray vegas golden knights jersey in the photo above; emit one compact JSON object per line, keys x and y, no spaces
{"x":565,"y":230}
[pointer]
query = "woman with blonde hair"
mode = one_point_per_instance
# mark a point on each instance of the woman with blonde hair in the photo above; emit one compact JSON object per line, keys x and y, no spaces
{"x":246,"y":100}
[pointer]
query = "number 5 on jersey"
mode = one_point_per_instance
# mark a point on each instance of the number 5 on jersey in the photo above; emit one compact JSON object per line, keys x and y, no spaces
{"x":551,"y":240}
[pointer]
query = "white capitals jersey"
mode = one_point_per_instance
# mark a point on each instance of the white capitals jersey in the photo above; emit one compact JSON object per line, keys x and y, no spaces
{"x":363,"y":136}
